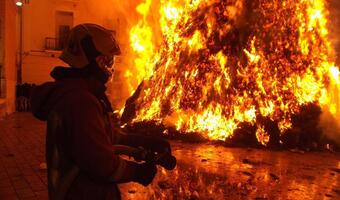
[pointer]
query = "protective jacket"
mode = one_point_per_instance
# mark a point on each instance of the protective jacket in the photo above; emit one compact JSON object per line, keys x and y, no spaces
{"x":81,"y":163}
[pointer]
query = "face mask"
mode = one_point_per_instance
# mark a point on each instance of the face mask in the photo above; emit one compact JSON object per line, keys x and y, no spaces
{"x":105,"y":64}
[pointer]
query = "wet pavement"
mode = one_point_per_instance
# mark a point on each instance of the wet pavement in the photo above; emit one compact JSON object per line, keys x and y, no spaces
{"x":203,"y":172}
{"x":215,"y":172}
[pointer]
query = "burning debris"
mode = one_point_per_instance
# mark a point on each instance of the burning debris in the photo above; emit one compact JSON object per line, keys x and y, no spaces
{"x":240,"y":71}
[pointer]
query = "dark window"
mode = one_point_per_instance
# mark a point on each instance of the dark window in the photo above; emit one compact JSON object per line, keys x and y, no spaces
{"x":64,"y":32}
{"x":64,"y":23}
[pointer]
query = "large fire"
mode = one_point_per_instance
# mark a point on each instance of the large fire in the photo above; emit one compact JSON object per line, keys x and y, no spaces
{"x":221,"y":63}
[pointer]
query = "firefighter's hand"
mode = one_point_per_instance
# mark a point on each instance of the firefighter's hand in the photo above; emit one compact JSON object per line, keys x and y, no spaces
{"x":145,"y":173}
{"x":139,"y":154}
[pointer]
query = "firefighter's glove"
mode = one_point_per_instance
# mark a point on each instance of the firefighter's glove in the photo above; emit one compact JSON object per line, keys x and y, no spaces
{"x":145,"y":173}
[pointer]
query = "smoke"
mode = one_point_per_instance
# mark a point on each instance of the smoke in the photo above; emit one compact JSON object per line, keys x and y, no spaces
{"x":330,"y":118}
{"x":330,"y":126}
{"x":128,"y":73}
{"x":334,"y":26}
{"x":119,"y":16}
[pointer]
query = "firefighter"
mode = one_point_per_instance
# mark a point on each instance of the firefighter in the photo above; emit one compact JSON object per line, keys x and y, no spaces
{"x":81,"y":163}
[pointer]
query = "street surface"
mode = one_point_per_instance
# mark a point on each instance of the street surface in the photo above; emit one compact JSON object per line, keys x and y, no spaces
{"x":204,"y":171}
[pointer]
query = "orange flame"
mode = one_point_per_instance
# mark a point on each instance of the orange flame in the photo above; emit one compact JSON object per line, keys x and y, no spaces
{"x":223,"y":63}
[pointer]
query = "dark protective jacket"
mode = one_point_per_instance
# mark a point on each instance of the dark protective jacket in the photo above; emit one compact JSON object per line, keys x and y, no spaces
{"x":81,"y":163}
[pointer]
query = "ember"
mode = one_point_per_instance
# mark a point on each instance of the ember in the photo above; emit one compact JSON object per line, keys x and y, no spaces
{"x":226,"y":66}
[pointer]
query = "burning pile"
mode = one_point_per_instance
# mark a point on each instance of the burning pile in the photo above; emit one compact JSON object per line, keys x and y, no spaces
{"x":224,"y":65}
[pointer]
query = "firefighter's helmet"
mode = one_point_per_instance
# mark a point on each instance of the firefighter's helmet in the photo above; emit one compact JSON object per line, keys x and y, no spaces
{"x":86,"y":42}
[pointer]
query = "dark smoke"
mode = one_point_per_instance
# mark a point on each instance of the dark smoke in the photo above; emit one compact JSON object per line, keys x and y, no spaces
{"x":330,"y":124}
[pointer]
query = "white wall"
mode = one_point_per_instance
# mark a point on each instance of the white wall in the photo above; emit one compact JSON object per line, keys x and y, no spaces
{"x":38,"y":23}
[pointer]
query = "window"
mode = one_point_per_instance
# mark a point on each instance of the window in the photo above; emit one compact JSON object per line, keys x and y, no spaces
{"x":64,"y":32}
{"x":64,"y":24}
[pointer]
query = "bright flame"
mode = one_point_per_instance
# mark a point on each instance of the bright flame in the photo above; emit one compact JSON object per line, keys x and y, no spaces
{"x":216,"y":70}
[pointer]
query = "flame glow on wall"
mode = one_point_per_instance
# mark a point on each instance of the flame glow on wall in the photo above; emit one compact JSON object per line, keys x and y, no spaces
{"x":220,"y":63}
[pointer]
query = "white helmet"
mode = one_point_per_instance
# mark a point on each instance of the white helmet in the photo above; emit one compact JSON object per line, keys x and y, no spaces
{"x":102,"y":43}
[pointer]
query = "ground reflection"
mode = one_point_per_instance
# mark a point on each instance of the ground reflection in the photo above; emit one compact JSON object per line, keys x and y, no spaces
{"x":215,"y":172}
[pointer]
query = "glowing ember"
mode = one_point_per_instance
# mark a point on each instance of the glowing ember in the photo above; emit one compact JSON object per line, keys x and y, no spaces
{"x":225,"y":62}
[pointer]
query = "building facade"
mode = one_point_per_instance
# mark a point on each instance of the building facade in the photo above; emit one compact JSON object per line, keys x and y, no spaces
{"x":46,"y":25}
{"x":8,"y":56}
